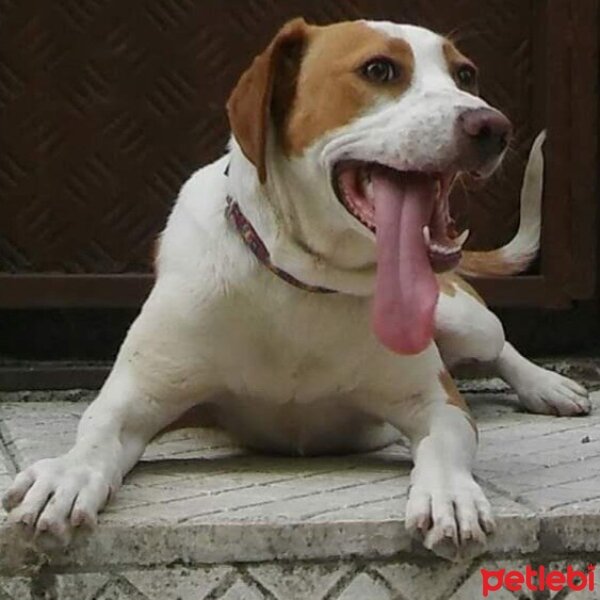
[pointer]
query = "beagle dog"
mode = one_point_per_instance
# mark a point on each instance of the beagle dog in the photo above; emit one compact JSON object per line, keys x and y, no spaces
{"x":308,"y":284}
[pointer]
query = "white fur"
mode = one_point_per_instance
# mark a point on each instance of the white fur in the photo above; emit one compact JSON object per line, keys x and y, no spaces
{"x":287,"y":369}
{"x":523,"y":248}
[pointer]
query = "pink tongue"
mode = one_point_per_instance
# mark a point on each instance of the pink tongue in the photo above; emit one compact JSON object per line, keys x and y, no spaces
{"x":407,"y":291}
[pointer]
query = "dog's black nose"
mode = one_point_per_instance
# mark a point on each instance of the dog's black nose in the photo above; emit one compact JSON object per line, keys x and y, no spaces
{"x":489,"y":129}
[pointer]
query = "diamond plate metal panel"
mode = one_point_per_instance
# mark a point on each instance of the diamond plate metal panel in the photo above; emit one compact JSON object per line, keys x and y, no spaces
{"x":106,"y":107}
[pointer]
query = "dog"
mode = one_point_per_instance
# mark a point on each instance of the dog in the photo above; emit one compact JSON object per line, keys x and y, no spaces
{"x":308,"y":284}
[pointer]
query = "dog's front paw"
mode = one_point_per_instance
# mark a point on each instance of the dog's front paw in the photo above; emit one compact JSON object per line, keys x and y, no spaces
{"x":53,"y":496}
{"x":548,"y":393}
{"x":451,"y":519}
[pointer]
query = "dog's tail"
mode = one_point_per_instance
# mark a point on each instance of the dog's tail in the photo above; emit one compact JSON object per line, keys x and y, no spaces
{"x":518,"y":254}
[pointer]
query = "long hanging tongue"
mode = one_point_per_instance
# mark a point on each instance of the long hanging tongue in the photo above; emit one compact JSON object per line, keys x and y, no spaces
{"x":406,"y":291}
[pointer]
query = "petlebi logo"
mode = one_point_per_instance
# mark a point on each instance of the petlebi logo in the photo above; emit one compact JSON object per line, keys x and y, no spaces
{"x":540,"y":579}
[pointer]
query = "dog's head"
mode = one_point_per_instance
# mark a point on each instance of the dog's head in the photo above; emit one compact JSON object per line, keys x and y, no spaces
{"x":374,"y":121}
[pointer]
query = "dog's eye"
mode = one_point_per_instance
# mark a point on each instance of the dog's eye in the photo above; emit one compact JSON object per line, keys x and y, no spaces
{"x":380,"y":70}
{"x":466,"y":77}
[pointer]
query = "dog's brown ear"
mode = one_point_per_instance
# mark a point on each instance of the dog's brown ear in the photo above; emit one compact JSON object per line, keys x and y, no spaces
{"x":249,"y":104}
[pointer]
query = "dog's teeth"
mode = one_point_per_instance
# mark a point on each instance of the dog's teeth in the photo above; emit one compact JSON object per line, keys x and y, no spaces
{"x":365,"y":182}
{"x":427,"y":235}
{"x":445,"y":250}
{"x":462,"y":238}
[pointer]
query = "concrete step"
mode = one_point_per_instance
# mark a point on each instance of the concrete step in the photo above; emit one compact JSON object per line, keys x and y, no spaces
{"x":200,"y":518}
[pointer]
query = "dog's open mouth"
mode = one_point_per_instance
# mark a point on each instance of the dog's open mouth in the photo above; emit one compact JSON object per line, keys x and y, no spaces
{"x":409,"y":213}
{"x":353,"y":183}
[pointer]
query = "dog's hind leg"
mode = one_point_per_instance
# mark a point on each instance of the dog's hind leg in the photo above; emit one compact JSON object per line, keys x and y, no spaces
{"x":148,"y":388}
{"x":466,"y":330}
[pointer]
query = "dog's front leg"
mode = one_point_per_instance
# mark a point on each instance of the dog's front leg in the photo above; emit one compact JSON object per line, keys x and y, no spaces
{"x":142,"y":395}
{"x":467,"y":330}
{"x":446,"y":507}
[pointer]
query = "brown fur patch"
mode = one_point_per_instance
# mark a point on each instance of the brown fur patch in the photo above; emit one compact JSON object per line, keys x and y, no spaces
{"x":492,"y":264}
{"x":455,"y":398}
{"x":250,"y":102}
{"x":446,"y":286}
{"x":330,"y":91}
{"x":455,"y":59}
{"x":453,"y":56}
{"x":449,"y":282}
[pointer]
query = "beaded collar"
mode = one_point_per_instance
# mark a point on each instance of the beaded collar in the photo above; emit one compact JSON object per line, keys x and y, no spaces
{"x":250,"y":236}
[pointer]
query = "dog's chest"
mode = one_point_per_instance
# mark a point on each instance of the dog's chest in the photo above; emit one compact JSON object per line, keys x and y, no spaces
{"x":296,"y":347}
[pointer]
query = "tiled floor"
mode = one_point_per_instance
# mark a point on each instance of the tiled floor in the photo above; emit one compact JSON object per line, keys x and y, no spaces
{"x":200,"y":518}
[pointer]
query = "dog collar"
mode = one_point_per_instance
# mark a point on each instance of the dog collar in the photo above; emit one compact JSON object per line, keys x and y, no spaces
{"x":250,"y":237}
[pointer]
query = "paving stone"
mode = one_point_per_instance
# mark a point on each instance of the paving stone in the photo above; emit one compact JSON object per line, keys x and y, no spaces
{"x":42,"y":396}
{"x":472,"y":587}
{"x":575,"y":526}
{"x":83,"y":586}
{"x":300,"y":582}
{"x":160,"y":583}
{"x":543,"y":462}
{"x":39,"y":430}
{"x":116,"y":588}
{"x":579,"y":565}
{"x":242,"y":591}
{"x":15,"y":588}
{"x":365,"y":586}
{"x":183,"y":583}
{"x":516,"y":526}
{"x":197,"y":498}
{"x":43,"y":429}
{"x":6,"y":472}
{"x":6,"y":476}
{"x":428,"y":581}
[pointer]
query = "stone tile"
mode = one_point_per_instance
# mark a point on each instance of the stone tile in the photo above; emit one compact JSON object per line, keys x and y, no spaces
{"x":163,"y":542}
{"x":6,"y":470}
{"x":116,"y":588}
{"x":199,"y":498}
{"x":573,"y":527}
{"x":494,"y":410}
{"x":201,"y":443}
{"x":15,"y":588}
{"x":83,"y":586}
{"x":300,"y":582}
{"x":578,"y":565}
{"x":364,"y":586}
{"x":570,"y":471}
{"x":43,"y":429}
{"x":555,"y":496}
{"x":39,"y":430}
{"x":431,"y":581}
{"x":179,"y":582}
{"x":6,"y":476}
{"x":543,"y":462}
{"x":472,"y":587}
{"x":242,"y":591}
{"x":516,"y":525}
{"x":47,"y":396}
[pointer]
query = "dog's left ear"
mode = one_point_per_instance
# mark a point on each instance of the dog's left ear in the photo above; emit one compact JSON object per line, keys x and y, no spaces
{"x":250,"y":103}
